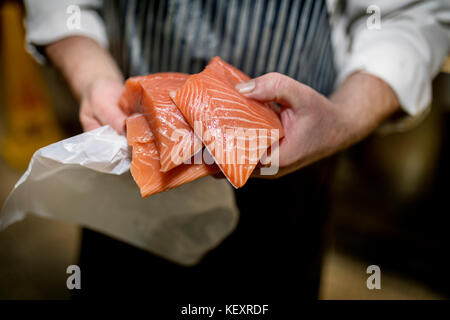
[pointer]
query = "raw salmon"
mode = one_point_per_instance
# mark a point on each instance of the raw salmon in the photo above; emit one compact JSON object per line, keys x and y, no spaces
{"x":175,"y":140}
{"x":236,"y":130}
{"x":145,"y":164}
{"x":174,"y":137}
{"x":130,"y":99}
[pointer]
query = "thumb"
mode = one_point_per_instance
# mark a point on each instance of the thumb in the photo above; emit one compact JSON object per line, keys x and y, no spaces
{"x":273,"y":87}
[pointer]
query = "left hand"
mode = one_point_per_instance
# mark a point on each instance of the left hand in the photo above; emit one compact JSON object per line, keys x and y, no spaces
{"x":314,"y":126}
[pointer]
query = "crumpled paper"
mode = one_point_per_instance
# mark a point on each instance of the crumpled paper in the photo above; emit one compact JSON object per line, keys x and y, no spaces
{"x":85,"y":180}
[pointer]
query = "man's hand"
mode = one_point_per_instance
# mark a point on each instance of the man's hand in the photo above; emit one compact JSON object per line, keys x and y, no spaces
{"x":316,"y":127}
{"x":94,"y":78}
{"x":99,"y":105}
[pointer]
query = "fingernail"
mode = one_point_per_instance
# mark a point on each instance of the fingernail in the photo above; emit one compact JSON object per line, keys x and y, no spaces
{"x":246,"y":87}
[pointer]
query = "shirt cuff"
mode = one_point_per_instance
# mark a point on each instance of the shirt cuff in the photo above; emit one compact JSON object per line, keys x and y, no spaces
{"x":43,"y":30}
{"x":394,"y":60}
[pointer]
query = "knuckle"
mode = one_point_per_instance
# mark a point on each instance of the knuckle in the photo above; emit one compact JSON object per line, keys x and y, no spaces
{"x":274,"y":78}
{"x":277,"y":82}
{"x":274,"y":74}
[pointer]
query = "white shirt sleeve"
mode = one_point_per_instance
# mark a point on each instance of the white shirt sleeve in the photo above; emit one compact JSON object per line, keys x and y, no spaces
{"x":406,"y":51}
{"x":49,"y":20}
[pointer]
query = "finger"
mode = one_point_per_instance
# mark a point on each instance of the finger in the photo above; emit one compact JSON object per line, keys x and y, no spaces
{"x":87,"y":118}
{"x":273,"y":87}
{"x":88,"y":123}
{"x":113,"y":116}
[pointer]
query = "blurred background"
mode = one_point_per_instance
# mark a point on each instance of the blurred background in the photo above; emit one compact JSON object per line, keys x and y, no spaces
{"x":389,"y":203}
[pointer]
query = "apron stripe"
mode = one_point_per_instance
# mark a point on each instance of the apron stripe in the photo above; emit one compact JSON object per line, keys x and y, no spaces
{"x":299,"y":41}
{"x":277,"y":36}
{"x":289,"y":37}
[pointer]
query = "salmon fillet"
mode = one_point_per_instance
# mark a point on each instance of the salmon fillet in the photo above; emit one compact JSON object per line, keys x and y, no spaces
{"x":174,"y":137}
{"x":236,"y":130}
{"x":130,"y":99}
{"x":145,"y":164}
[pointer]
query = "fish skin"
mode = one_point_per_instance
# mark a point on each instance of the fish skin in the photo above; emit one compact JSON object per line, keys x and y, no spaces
{"x":145,"y":164}
{"x":210,"y":99}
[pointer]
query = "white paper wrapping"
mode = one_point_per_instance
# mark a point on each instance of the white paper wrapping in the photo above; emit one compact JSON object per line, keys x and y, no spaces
{"x":85,"y":180}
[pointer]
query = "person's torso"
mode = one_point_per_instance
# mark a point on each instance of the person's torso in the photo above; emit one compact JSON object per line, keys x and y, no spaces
{"x":257,"y":36}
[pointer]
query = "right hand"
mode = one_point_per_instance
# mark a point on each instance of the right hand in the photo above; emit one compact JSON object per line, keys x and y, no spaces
{"x":100,"y":105}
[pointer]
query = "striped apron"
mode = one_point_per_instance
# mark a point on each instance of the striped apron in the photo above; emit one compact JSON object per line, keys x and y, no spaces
{"x":275,"y":251}
{"x":257,"y":36}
